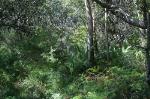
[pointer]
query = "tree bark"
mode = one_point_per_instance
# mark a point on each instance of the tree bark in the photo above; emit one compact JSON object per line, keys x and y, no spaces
{"x":146,"y":18}
{"x":148,"y":48}
{"x":90,"y":42}
{"x":94,"y":32}
{"x":106,"y":33}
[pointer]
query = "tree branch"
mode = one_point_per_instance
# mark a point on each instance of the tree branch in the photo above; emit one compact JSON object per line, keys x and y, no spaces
{"x":121,"y":14}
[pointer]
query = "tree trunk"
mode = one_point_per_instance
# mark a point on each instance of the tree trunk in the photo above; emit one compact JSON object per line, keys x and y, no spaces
{"x":106,"y":33}
{"x":94,"y":31}
{"x":148,"y":48}
{"x":146,"y":16}
{"x":90,"y":42}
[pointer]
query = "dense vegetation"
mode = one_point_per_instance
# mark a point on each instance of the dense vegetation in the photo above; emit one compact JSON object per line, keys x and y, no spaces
{"x":74,"y":49}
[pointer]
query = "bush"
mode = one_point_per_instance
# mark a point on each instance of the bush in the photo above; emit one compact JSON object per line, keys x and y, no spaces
{"x":39,"y":84}
{"x":115,"y":83}
{"x":6,"y":55}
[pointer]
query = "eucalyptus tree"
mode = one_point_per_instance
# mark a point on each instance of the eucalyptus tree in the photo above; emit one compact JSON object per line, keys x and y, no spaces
{"x":90,"y":41}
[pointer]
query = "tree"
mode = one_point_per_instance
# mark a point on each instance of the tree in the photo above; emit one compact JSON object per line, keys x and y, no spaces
{"x":120,"y":13}
{"x":20,"y":15}
{"x":90,"y":41}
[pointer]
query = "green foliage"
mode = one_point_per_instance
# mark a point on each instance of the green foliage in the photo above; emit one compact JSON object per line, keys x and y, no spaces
{"x":4,"y":83}
{"x":124,"y":83}
{"x":120,"y":83}
{"x":5,"y":55}
{"x":77,"y":50}
{"x":43,"y":53}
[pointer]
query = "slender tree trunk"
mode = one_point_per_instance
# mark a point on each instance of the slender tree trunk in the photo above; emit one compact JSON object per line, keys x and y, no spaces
{"x":90,"y":43}
{"x":94,"y":31}
{"x":146,"y":16}
{"x":106,"y":34}
{"x":148,"y":48}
